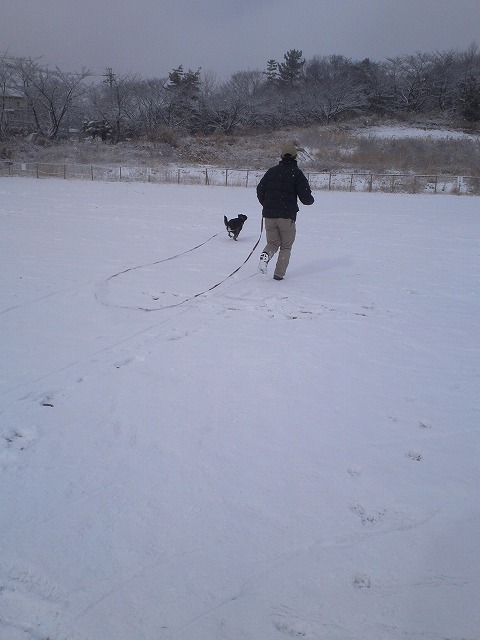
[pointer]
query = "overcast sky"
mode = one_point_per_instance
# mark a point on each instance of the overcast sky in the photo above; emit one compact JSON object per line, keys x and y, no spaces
{"x":151,"y":37}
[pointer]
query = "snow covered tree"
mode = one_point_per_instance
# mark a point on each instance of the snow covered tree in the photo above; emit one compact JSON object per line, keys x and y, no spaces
{"x":372,"y":80}
{"x":115,"y":104}
{"x":411,"y":77}
{"x":272,"y":71}
{"x":331,"y":89}
{"x":444,"y":74}
{"x":469,"y":98}
{"x":233,"y":104}
{"x":183,"y":89}
{"x":152,"y":104}
{"x":51,"y":94}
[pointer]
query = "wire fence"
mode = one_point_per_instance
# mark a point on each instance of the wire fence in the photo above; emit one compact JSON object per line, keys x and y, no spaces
{"x":328,"y":181}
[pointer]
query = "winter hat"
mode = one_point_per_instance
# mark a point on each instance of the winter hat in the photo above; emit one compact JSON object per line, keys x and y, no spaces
{"x":289,"y":150}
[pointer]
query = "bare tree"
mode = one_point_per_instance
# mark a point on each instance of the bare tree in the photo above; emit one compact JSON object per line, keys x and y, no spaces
{"x":470,"y":60}
{"x":51,"y":94}
{"x":152,"y":98}
{"x":220,"y":108}
{"x":469,"y":98}
{"x":411,"y":81}
{"x":331,"y":89}
{"x":115,"y":102}
{"x":444,"y":80}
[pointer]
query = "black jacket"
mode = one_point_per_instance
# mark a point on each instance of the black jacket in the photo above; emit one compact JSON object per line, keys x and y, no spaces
{"x":279,"y":188}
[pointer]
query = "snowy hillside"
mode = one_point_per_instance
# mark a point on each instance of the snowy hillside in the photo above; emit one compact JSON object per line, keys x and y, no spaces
{"x":266,"y":460}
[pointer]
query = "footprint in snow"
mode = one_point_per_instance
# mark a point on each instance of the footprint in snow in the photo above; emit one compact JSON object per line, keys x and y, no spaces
{"x":368,"y":518}
{"x":289,"y":630}
{"x":20,"y":439}
{"x":361,"y":582}
{"x":424,"y":425}
{"x":24,"y":594}
{"x":354,"y":472}
{"x":414,"y":455}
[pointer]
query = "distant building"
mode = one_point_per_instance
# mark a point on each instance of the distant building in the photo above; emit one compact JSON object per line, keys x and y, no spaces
{"x":13,"y":110}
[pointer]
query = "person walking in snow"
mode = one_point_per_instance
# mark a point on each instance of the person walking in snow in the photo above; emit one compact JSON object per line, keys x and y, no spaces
{"x":277,"y":192}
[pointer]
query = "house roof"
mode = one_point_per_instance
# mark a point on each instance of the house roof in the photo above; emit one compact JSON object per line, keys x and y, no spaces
{"x":12,"y":93}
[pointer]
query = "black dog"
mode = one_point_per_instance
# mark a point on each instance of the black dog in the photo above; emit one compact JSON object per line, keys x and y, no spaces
{"x":235,"y":225}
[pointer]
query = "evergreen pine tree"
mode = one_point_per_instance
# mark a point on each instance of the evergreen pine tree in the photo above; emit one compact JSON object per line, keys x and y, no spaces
{"x":291,"y":71}
{"x":272,"y":71}
{"x":184,"y":89}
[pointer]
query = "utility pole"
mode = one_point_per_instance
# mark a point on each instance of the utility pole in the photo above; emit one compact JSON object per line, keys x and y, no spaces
{"x":109,"y":77}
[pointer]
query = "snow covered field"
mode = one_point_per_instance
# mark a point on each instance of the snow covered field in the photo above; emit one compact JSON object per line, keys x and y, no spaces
{"x":268,"y":460}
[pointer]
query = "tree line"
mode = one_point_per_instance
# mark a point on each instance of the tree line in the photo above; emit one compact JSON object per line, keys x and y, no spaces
{"x":38,"y":99}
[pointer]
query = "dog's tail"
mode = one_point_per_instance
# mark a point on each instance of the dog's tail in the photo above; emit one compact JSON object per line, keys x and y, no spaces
{"x":225,"y":220}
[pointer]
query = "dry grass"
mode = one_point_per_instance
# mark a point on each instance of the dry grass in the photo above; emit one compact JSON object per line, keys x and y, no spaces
{"x":417,"y":155}
{"x":338,"y":149}
{"x":332,"y":148}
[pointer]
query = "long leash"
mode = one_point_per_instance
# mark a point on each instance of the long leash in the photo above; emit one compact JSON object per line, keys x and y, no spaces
{"x":233,"y":272}
{"x":200,"y":293}
{"x":150,"y":264}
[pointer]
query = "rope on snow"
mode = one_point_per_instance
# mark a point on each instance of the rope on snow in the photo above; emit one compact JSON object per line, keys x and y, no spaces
{"x":200,"y":293}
